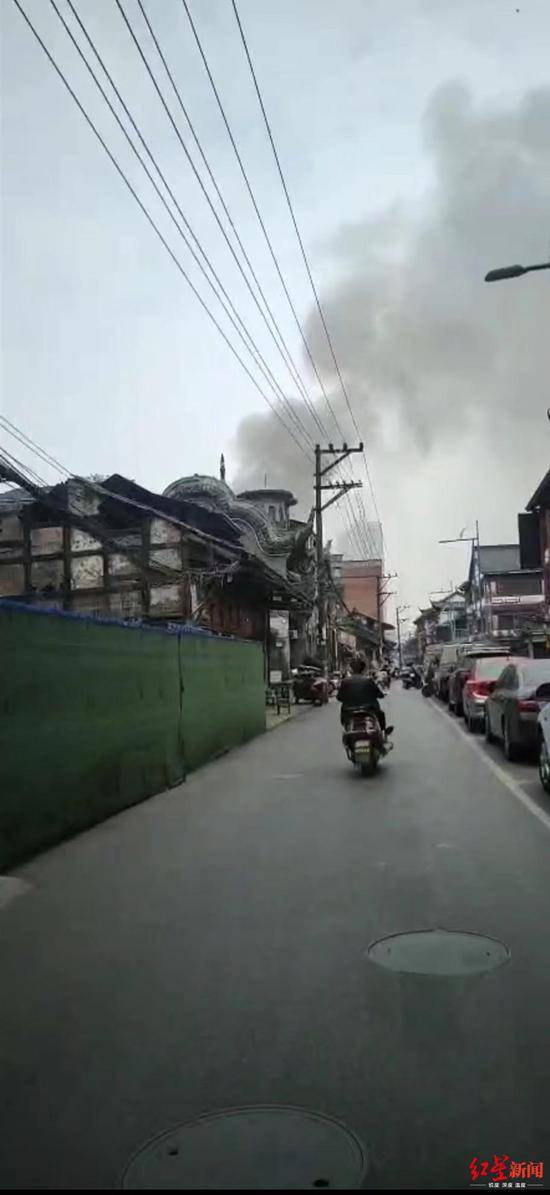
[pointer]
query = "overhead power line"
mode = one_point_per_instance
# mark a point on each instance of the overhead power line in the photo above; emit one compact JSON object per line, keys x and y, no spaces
{"x":291,"y":364}
{"x":152,"y":222}
{"x":194,"y":169}
{"x":31,"y":480}
{"x":232,"y":313}
{"x":252,"y":195}
{"x":23,"y":438}
{"x":351,"y":529}
{"x":302,"y":248}
{"x":189,"y":158}
{"x":99,"y":488}
{"x":139,"y":201}
{"x":15,"y":461}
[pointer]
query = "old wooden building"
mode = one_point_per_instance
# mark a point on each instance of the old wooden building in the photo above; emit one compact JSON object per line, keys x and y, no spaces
{"x":114,"y":548}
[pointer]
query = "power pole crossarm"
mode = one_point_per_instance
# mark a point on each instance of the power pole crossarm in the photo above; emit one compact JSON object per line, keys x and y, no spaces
{"x":344,"y":452}
{"x":352,"y":485}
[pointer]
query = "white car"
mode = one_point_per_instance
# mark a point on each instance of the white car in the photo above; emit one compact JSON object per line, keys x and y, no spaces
{"x":544,"y":746}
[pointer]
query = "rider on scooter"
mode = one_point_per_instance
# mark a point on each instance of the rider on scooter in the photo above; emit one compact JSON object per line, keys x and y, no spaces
{"x":358,"y":691}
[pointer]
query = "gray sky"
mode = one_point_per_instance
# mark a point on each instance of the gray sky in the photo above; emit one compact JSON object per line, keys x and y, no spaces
{"x":415,"y":136}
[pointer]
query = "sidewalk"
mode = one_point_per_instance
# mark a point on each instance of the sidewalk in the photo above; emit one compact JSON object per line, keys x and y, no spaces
{"x":273,"y":719}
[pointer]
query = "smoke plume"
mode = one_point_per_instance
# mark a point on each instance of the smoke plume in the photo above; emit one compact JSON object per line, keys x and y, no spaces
{"x":448,"y":375}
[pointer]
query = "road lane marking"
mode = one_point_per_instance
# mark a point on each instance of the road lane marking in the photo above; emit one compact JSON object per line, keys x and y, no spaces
{"x":513,"y":785}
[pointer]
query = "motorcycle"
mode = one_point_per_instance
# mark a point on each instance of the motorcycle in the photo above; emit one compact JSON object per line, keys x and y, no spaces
{"x":321,"y":690}
{"x":308,"y":684}
{"x":364,"y":741}
{"x":411,"y":679}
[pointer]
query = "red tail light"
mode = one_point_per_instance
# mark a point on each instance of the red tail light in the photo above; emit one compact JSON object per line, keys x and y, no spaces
{"x":478,"y":688}
{"x":528,"y":706}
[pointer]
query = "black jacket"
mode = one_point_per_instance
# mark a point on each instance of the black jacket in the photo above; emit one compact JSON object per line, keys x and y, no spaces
{"x":356,"y":691}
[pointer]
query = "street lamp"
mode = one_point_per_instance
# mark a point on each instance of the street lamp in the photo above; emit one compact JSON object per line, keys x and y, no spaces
{"x":514,"y":271}
{"x":474,"y":540}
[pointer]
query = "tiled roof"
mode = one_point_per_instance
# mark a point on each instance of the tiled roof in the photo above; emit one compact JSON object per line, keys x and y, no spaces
{"x":541,"y":495}
{"x":13,"y":499}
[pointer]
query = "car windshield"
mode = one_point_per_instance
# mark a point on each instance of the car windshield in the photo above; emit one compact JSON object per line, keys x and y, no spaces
{"x":536,"y":672}
{"x":490,"y":667}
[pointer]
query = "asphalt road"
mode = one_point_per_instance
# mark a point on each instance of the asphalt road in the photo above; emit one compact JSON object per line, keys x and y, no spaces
{"x":208,"y":949}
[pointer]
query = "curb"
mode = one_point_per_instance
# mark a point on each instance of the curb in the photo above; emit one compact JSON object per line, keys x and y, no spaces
{"x":283,"y":721}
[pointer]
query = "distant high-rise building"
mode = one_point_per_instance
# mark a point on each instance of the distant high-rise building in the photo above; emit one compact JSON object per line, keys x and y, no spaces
{"x":362,"y":581}
{"x":368,"y":534}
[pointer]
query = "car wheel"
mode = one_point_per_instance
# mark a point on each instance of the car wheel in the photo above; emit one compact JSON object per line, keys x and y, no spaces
{"x":489,"y":736}
{"x":510,"y":749}
{"x":544,"y":764}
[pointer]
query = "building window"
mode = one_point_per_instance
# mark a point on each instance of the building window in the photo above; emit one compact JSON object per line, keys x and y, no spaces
{"x":507,"y":622}
{"x":517,"y":586}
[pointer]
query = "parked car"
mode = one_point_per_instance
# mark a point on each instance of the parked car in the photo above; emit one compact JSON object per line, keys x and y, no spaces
{"x":512,"y":707}
{"x":467,"y":654}
{"x":447,"y":663}
{"x":544,"y":746}
{"x":457,"y":677}
{"x":481,"y":674}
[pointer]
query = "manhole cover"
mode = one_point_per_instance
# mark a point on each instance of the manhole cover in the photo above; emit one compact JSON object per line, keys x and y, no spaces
{"x":258,"y":1148}
{"x":439,"y":952}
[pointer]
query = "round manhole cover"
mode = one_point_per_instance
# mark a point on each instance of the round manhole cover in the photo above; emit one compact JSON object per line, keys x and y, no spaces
{"x":258,"y":1148}
{"x":439,"y":952}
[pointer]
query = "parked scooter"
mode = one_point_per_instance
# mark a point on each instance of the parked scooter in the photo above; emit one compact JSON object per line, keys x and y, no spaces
{"x":320,"y":690}
{"x":364,"y":741}
{"x":309,"y":684}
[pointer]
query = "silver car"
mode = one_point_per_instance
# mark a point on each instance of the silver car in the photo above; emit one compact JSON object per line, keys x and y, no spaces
{"x":544,"y":746}
{"x":484,"y":671}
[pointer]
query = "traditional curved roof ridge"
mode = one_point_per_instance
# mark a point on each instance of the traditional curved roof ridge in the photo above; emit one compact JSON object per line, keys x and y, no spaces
{"x":215,"y":494}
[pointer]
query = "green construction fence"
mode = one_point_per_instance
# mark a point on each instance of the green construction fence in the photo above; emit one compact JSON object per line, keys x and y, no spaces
{"x":96,"y":715}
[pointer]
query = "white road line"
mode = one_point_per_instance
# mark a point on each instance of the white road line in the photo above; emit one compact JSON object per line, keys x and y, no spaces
{"x":499,"y":772}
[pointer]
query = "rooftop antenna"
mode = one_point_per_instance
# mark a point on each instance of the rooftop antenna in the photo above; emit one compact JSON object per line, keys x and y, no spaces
{"x":222,"y":467}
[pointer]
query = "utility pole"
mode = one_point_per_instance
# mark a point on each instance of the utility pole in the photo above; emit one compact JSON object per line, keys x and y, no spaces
{"x":340,"y":488}
{"x":482,"y":626}
{"x":382,"y":594}
{"x":398,"y":610}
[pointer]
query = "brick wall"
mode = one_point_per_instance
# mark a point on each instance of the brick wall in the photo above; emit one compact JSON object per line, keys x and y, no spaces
{"x":360,"y":583}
